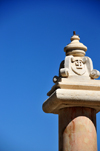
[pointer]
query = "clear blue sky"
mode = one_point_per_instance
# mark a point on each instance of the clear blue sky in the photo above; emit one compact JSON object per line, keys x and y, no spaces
{"x":32,"y":37}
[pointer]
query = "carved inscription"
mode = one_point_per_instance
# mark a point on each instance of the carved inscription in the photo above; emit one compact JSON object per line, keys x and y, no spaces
{"x":78,"y":64}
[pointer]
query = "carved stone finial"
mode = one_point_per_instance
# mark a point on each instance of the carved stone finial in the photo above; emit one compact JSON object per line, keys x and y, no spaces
{"x":75,"y":63}
{"x":75,"y":48}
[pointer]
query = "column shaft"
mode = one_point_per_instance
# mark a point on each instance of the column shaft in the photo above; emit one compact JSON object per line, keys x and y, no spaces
{"x":77,"y":129}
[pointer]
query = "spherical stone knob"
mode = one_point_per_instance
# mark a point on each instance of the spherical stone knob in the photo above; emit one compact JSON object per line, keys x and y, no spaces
{"x":94,"y":74}
{"x":55,"y":79}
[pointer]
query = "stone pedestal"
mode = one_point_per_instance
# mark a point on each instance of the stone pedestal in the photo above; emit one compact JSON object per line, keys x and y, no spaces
{"x":77,"y":129}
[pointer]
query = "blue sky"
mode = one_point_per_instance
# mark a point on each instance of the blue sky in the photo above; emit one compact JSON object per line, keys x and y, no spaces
{"x":32,"y":37}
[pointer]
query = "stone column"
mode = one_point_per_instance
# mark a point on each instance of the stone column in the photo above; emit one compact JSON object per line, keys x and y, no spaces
{"x":77,"y":129}
{"x":75,"y":97}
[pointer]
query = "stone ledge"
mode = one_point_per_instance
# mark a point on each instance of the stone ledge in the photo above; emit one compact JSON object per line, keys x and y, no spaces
{"x":62,"y":98}
{"x":76,"y":83}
